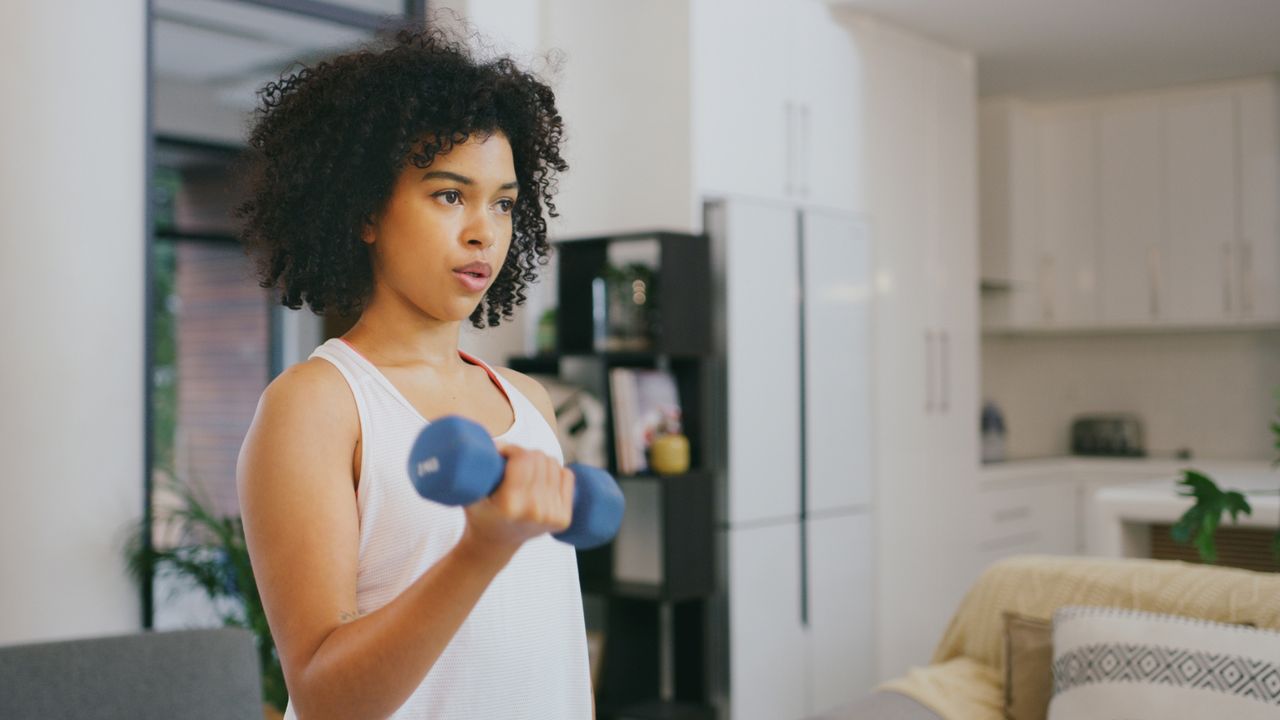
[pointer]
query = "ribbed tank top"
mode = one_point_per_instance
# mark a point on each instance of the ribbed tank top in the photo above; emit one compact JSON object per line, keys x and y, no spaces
{"x":522,"y":652}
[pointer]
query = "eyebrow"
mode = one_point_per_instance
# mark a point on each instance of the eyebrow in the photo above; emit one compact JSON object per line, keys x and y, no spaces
{"x":464,"y":179}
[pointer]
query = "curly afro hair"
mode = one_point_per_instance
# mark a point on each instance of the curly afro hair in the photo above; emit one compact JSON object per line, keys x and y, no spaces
{"x":327,"y":143}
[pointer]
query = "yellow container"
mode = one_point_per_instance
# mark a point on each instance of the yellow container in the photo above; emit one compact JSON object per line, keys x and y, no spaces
{"x":669,"y":454}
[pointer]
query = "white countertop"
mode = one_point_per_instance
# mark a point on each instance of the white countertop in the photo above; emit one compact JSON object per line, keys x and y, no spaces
{"x":1075,"y":467}
{"x":1118,"y":515}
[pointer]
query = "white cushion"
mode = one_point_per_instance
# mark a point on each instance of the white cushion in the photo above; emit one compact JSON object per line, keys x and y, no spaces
{"x":1123,"y":664}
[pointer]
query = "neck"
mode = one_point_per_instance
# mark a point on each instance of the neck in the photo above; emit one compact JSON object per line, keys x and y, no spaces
{"x":394,"y":332}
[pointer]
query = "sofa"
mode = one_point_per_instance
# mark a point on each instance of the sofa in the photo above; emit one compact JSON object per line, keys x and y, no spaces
{"x":965,"y":677}
{"x":191,"y":674}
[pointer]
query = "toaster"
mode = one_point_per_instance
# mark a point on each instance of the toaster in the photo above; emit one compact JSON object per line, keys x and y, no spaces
{"x":1113,"y":435}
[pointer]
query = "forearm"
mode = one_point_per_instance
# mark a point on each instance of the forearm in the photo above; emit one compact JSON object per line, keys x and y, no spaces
{"x":369,"y":666}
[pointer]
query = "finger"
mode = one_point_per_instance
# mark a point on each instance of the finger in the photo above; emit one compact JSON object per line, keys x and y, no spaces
{"x":567,"y":484}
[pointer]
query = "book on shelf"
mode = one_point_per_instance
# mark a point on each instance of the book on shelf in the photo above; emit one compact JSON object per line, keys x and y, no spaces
{"x":645,"y":404}
{"x":619,"y":390}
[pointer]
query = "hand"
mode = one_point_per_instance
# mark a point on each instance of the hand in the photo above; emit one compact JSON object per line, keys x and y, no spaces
{"x":534,"y":497}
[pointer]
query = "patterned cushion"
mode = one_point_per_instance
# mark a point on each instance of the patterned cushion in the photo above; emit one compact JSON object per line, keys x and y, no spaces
{"x":1112,"y":663}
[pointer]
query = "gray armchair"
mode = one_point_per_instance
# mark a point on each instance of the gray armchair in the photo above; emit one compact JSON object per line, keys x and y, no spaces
{"x":882,"y":705}
{"x":189,"y":674}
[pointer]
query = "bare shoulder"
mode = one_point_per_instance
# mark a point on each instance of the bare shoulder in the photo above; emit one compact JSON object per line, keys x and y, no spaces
{"x":533,"y":390}
{"x":307,"y":405}
{"x":314,"y":390}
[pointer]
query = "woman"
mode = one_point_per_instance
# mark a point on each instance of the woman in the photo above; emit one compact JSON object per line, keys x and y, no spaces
{"x":407,"y":182}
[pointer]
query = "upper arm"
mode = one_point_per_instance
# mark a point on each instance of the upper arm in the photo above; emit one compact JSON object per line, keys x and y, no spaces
{"x":533,"y":390}
{"x":295,"y":485}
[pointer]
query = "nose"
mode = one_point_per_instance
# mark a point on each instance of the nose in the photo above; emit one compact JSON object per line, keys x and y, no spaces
{"x":481,"y":231}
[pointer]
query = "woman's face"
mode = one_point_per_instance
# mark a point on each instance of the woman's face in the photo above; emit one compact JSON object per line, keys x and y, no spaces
{"x":441,"y":218}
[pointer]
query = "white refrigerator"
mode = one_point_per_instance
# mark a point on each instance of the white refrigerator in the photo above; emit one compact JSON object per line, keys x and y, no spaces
{"x":794,"y":635}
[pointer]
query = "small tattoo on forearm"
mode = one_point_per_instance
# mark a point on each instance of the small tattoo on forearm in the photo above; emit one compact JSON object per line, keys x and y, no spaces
{"x":347,"y":616}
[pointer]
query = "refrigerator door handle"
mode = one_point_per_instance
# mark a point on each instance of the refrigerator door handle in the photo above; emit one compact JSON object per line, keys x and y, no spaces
{"x":928,"y":372}
{"x":804,"y":150}
{"x":789,"y":185}
{"x":944,"y":350}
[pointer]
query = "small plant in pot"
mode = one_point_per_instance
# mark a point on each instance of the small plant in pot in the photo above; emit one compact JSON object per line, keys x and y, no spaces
{"x":1200,"y":522}
{"x":209,"y":551}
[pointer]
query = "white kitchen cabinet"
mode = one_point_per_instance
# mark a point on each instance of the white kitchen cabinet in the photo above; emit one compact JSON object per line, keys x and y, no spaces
{"x":624,"y":93}
{"x":840,"y":632}
{"x":766,"y":667}
{"x":1155,"y":209}
{"x":745,"y":122}
{"x":1258,"y":266}
{"x":1041,"y":518}
{"x":1201,"y":188}
{"x":1068,"y":228}
{"x":750,"y":98}
{"x":1131,"y":210}
{"x":792,"y":132}
{"x":1010,"y":260}
{"x":827,"y":87}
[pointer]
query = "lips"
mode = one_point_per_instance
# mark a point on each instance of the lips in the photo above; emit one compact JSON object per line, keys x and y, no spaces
{"x":473,"y":276}
{"x":475,"y":269}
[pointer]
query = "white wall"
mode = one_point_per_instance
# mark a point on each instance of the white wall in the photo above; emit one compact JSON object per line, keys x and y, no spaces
{"x":71,"y":273}
{"x":1211,"y":391}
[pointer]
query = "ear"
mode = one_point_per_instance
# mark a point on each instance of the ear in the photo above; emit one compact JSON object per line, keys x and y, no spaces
{"x":368,"y":231}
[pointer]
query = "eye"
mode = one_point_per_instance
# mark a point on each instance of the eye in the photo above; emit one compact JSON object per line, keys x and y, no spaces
{"x":454,"y":193}
{"x":510,"y":204}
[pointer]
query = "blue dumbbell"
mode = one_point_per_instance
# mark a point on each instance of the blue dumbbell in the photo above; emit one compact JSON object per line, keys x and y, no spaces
{"x":455,"y":462}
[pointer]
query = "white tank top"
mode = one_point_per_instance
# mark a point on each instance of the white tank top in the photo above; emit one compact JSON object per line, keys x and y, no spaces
{"x":522,"y":652}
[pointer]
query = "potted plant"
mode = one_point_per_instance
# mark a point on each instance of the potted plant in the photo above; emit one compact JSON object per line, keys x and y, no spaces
{"x":1199,"y":523}
{"x":210,"y":551}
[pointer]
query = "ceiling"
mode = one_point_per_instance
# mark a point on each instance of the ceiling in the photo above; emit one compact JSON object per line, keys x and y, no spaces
{"x":1066,"y":48}
{"x":230,"y":49}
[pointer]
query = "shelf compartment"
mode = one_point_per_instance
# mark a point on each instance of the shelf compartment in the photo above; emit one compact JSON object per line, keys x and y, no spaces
{"x":664,"y":710}
{"x":682,"y":533}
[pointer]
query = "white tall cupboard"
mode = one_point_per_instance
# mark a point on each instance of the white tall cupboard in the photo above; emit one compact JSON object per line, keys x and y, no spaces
{"x":922,"y":204}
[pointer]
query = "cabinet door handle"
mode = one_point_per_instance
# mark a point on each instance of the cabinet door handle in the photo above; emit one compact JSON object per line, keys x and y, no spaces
{"x":944,"y":350}
{"x":791,"y":150}
{"x":1153,"y":278}
{"x":1046,"y":288}
{"x":928,"y":372}
{"x":1157,"y":279}
{"x":1226,"y":278}
{"x":1246,"y":277}
{"x":804,"y":150}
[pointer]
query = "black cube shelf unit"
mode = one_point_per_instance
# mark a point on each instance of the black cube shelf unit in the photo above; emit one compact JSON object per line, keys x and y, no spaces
{"x":640,"y":615}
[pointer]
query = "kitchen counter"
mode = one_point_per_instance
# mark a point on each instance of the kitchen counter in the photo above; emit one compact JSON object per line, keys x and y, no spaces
{"x":1077,"y":467}
{"x":1120,"y":516}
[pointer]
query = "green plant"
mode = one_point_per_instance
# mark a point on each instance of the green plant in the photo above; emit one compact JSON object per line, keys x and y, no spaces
{"x":1199,"y":523}
{"x":211,"y":552}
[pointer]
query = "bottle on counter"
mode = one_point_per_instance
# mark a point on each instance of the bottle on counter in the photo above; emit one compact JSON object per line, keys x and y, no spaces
{"x":993,"y":433}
